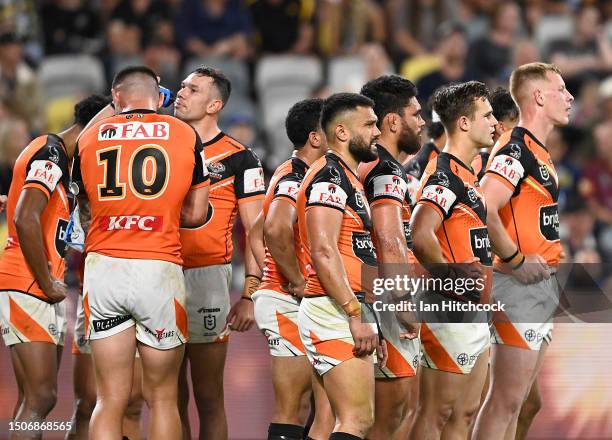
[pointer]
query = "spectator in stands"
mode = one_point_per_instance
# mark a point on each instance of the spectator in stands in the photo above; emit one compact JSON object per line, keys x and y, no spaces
{"x":346,"y":25}
{"x":153,"y":21}
{"x":21,"y":18}
{"x":567,"y":171}
{"x":14,"y":136}
{"x":19,"y":86}
{"x":605,"y":99}
{"x":122,"y":48}
{"x":490,"y":56}
{"x":452,"y":49}
{"x":588,"y":53}
{"x":70,"y":26}
{"x":596,"y":187}
{"x":147,"y":15}
{"x":283,"y":25}
{"x":413,"y":24}
{"x":207,"y":28}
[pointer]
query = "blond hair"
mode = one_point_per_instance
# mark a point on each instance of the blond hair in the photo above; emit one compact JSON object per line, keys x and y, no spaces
{"x":526,"y":73}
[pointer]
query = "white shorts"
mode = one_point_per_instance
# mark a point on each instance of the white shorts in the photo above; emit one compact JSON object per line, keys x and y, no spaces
{"x":80,"y":343}
{"x":529,"y":311}
{"x":325,"y":333}
{"x":276,"y":315}
{"x":208,"y":302}
{"x":403,"y":354}
{"x":453,"y":347}
{"x":25,"y":318}
{"x":150,"y":294}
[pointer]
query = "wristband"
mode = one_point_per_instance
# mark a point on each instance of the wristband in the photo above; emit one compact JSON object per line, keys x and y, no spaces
{"x":352,"y":308}
{"x":508,"y":259}
{"x":520,"y":263}
{"x":251,"y":284}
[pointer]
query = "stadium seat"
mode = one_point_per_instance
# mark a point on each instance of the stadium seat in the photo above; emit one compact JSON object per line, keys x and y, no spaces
{"x":235,"y":70}
{"x":70,"y":75}
{"x":551,"y":28}
{"x":347,"y":74}
{"x":287,"y":70}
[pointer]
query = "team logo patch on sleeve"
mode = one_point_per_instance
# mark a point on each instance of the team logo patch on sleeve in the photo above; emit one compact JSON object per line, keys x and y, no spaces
{"x":287,"y":188}
{"x":327,"y":193}
{"x":390,"y":186}
{"x":508,"y":167}
{"x":254,"y":180}
{"x":45,"y":172}
{"x":440,"y":195}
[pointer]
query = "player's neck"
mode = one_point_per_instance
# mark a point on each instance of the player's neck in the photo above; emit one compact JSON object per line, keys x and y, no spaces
{"x":539,"y":127}
{"x":307,"y":154}
{"x":463,"y":150}
{"x":390,"y":145}
{"x":69,"y":137}
{"x":348,"y":159}
{"x":207,"y":128}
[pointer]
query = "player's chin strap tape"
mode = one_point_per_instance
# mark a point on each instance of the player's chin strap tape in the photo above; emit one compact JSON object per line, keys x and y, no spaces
{"x":361,"y":297}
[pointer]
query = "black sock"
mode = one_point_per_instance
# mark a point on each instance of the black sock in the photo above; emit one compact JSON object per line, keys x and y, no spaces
{"x":343,"y":436}
{"x":284,"y":431}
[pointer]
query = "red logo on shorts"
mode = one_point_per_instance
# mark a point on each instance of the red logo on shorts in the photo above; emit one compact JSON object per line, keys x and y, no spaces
{"x":160,"y":333}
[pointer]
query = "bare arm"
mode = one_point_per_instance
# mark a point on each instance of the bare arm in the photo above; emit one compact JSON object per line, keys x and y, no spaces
{"x":278,"y":230}
{"x":195,"y":207}
{"x":256,"y":241}
{"x":30,"y":207}
{"x":424,"y":222}
{"x":248,"y":214}
{"x":497,"y":196}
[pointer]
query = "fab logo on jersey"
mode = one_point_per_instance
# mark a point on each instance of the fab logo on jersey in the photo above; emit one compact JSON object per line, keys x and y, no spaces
{"x":134,"y":131}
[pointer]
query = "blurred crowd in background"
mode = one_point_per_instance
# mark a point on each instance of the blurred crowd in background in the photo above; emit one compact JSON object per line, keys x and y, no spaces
{"x":276,"y":52}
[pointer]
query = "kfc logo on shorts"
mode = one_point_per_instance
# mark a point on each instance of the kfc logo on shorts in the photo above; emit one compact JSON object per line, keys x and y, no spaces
{"x":134,"y":130}
{"x":324,"y":193}
{"x":508,"y":167}
{"x":149,"y":223}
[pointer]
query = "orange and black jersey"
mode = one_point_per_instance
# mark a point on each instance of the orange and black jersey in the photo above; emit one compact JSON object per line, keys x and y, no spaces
{"x":385,"y":181}
{"x":136,"y":169}
{"x":43,"y":164}
{"x":285,"y":184}
{"x":236,"y":176}
{"x":332,"y":184}
{"x":415,"y":167}
{"x":479,"y":164}
{"x":452,"y":189}
{"x":531,"y":217}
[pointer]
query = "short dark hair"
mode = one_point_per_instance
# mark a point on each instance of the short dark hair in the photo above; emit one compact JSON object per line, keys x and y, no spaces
{"x":456,"y":100}
{"x":302,"y":118}
{"x":132,"y":70}
{"x":221,"y":82}
{"x":435,"y":129}
{"x":503,"y":104}
{"x":86,"y":109}
{"x":339,"y":103}
{"x":390,"y":93}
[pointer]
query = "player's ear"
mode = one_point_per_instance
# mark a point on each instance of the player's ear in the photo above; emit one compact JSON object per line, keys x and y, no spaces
{"x":341,"y":133}
{"x":314,"y":137}
{"x":116,"y":97}
{"x":214,"y":106}
{"x":539,"y":97}
{"x":500,"y":128}
{"x":463,"y":123}
{"x":392,"y":120}
{"x":160,"y":101}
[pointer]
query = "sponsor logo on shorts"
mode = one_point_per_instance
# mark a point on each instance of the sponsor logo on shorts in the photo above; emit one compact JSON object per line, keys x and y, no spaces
{"x":52,"y":329}
{"x":273,"y":342}
{"x":134,"y":130}
{"x":415,"y":361}
{"x":530,"y":335}
{"x":210,"y":317}
{"x":160,"y":333}
{"x":464,"y":359}
{"x":4,"y":330}
{"x":549,"y":222}
{"x":148,"y":223}
{"x":81,"y":341}
{"x":101,"y":325}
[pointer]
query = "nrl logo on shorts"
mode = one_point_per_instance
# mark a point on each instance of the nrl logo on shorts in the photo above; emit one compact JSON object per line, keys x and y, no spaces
{"x":210,"y":320}
{"x":515,"y":151}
